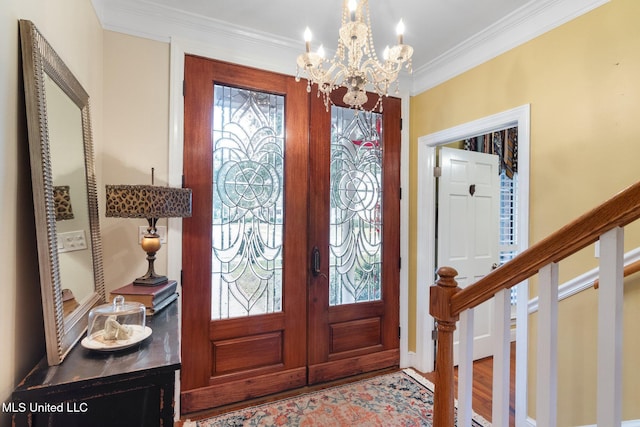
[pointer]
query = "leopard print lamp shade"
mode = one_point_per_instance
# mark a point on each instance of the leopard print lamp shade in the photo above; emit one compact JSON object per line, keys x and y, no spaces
{"x":147,"y":201}
{"x":62,"y":202}
{"x":150,"y":202}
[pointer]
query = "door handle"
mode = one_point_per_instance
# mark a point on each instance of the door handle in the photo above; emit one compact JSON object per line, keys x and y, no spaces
{"x":494,"y":266}
{"x":315,"y":261}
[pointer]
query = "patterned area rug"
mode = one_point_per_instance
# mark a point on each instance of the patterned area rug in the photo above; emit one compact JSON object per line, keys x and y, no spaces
{"x":399,"y":399}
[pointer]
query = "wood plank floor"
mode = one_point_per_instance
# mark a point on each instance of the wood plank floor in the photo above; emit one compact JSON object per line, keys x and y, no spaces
{"x":482,"y":386}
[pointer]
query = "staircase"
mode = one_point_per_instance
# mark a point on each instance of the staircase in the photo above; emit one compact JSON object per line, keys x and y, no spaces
{"x":453,"y":307}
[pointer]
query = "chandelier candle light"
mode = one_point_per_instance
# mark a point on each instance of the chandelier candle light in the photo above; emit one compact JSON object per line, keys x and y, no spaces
{"x":355,"y":64}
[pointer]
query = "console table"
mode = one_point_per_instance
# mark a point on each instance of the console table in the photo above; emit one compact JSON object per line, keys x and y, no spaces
{"x":129,"y":388}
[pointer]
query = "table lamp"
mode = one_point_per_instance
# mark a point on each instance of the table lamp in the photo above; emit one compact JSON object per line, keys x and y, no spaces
{"x":150,"y":202}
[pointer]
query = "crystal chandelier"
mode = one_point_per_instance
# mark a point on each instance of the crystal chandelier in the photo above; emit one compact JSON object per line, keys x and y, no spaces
{"x":355,"y":64}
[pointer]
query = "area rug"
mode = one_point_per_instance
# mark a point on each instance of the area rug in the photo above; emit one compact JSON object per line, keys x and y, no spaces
{"x":402,"y":398}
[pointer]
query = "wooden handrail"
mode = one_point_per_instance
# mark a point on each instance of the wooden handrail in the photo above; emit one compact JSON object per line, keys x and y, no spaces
{"x":630,"y":269}
{"x":447,"y":300}
{"x":618,"y":211}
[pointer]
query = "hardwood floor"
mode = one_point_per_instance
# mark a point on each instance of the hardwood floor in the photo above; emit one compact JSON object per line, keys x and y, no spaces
{"x":482,"y":390}
{"x":482,"y":386}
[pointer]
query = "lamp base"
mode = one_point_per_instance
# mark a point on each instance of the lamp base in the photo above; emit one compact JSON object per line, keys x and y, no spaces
{"x":151,"y":244}
{"x":151,"y":281}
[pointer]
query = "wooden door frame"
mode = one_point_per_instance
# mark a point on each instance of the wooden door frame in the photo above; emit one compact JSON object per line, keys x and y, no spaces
{"x":426,"y":204}
{"x":270,"y":59}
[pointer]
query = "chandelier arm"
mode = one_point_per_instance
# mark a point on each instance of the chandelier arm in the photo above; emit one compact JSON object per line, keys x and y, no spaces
{"x":355,"y":64}
{"x":337,"y":78}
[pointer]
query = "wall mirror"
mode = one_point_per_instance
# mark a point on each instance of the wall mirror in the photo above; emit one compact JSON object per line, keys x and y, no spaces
{"x":64,"y":193}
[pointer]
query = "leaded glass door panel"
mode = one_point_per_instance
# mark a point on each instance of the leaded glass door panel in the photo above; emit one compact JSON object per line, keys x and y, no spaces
{"x":355,"y":216}
{"x":248,"y":202}
{"x":244,"y":249}
{"x":354,"y":223}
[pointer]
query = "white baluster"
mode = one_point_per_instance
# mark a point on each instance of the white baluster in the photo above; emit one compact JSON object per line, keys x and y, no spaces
{"x":610,"y":295}
{"x":501,"y":359}
{"x":522,"y":354}
{"x":465,"y":369}
{"x":547,"y":368}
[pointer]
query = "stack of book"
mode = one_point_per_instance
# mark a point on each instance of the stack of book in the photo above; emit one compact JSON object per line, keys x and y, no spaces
{"x":154,"y":298}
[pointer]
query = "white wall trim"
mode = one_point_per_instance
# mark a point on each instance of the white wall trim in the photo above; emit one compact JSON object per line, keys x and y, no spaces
{"x":519,"y":116}
{"x":630,"y":423}
{"x":582,"y":282}
{"x":526,"y":23}
{"x":269,"y":52}
{"x":230,"y":43}
{"x":405,"y":357}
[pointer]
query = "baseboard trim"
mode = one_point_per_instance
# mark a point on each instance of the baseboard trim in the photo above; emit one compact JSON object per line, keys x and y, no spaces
{"x":631,"y":423}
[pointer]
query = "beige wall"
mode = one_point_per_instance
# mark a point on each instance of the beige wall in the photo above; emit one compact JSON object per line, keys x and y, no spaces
{"x":73,"y":30}
{"x":136,"y":138}
{"x":581,"y":81}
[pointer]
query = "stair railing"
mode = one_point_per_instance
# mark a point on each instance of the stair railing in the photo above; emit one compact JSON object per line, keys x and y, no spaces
{"x":448,"y":303}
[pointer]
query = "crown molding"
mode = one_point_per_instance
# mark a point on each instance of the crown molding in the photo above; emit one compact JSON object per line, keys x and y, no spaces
{"x":248,"y":46}
{"x":161,"y":23}
{"x":228,"y":42}
{"x":526,"y":23}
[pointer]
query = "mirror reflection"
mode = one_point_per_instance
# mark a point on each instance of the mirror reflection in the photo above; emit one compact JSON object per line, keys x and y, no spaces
{"x":64,"y":188}
{"x":70,"y":197}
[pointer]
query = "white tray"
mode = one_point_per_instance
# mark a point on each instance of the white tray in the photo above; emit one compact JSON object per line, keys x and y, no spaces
{"x":95,"y":341}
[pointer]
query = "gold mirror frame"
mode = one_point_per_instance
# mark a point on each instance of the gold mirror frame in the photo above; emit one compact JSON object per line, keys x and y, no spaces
{"x":39,"y":59}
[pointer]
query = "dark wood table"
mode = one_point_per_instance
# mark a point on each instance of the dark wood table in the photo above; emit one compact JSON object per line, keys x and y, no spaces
{"x":128,"y":388}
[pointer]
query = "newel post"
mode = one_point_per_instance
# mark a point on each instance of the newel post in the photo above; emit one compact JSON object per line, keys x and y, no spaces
{"x":440,"y":309}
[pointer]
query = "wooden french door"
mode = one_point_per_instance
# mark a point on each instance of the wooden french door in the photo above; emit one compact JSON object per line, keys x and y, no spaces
{"x":256,"y":315}
{"x":354,"y":210}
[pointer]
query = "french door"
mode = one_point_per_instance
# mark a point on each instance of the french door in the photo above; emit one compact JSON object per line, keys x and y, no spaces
{"x":272,"y":298}
{"x":354,"y":230}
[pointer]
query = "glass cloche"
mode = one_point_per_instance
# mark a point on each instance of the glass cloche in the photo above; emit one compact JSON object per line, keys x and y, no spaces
{"x":115,"y":326}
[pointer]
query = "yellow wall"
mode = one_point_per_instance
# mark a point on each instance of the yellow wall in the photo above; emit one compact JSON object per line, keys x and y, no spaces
{"x":73,"y":30}
{"x":582,"y":82}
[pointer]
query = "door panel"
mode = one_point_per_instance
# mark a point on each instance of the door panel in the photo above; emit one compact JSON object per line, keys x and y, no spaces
{"x":257,"y":319}
{"x":468,"y":229}
{"x":244,"y":234}
{"x":354,"y":300}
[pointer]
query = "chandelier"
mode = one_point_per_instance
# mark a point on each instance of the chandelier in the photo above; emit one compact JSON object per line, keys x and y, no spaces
{"x":355,"y":64}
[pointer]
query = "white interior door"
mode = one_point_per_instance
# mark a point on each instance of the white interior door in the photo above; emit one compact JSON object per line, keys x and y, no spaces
{"x":468,"y":229}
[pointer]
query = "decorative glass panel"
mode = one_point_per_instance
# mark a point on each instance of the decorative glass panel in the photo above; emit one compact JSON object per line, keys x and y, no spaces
{"x":248,"y":144}
{"x":355,"y":245}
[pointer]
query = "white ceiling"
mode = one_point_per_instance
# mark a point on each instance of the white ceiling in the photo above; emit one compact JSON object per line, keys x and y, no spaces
{"x":448,"y":36}
{"x":432,"y":26}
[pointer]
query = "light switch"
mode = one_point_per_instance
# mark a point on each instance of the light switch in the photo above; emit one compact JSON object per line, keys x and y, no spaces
{"x":72,"y":241}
